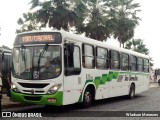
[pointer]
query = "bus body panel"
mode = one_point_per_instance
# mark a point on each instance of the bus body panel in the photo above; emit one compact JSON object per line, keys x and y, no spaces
{"x":111,"y":83}
{"x":72,"y":89}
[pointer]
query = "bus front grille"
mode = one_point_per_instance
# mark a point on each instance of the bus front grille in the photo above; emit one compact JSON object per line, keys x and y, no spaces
{"x":36,"y":91}
{"x":33,"y":85}
{"x":31,"y":98}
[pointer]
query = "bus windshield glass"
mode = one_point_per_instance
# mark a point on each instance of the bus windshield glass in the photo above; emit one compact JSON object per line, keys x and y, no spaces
{"x":37,"y":62}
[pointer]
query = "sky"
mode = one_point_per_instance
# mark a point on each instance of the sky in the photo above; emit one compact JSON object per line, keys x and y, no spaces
{"x":148,"y":29}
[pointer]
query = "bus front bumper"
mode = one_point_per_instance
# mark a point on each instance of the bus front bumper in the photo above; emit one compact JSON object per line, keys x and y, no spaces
{"x":54,"y":99}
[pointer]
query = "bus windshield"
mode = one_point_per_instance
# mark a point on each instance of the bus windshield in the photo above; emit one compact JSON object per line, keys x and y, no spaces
{"x":37,"y":62}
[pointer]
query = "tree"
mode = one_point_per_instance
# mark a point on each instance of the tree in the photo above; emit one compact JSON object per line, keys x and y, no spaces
{"x":97,"y":19}
{"x":137,"y":45}
{"x":55,"y":13}
{"x":28,"y":22}
{"x":124,"y":15}
{"x":94,"y":20}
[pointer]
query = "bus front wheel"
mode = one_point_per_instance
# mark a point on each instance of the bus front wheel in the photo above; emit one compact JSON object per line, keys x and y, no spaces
{"x":132,"y":91}
{"x":87,"y":98}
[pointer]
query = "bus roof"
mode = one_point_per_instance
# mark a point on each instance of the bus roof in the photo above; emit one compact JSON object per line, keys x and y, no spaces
{"x":80,"y":38}
{"x":2,"y":49}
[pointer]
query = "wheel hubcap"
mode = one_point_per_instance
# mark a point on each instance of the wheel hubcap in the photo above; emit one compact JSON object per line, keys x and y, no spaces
{"x":132,"y":93}
{"x":87,"y":97}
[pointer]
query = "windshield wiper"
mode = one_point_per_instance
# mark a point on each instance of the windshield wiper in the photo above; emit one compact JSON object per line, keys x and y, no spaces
{"x":41,"y":55}
{"x":23,"y":51}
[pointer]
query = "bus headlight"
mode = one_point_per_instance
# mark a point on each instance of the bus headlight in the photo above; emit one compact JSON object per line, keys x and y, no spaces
{"x":14,"y":88}
{"x":54,"y":89}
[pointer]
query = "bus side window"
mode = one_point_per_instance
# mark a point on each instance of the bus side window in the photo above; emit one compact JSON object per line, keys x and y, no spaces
{"x":133,"y":63}
{"x":115,"y":59}
{"x":146,"y":65}
{"x":101,"y":58}
{"x":68,"y":55}
{"x":124,"y":61}
{"x":109,"y":60}
{"x":140,"y":64}
{"x":88,"y":56}
{"x":72,"y":60}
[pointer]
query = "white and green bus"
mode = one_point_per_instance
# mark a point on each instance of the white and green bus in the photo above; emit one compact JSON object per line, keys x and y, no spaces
{"x":60,"y":68}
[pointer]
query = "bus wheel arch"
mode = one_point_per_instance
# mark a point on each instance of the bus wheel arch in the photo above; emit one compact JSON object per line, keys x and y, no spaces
{"x":88,"y":95}
{"x":132,"y":89}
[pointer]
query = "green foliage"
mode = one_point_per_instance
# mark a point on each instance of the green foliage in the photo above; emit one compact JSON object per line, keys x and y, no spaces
{"x":94,"y":19}
{"x":28,"y":23}
{"x":97,"y":19}
{"x":137,"y":45}
{"x":123,"y":13}
{"x":56,"y":14}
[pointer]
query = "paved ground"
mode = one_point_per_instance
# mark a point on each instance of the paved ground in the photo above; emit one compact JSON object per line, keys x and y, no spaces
{"x":154,"y":85}
{"x":7,"y":103}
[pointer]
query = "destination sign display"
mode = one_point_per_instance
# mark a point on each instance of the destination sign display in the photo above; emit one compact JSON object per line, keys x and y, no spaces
{"x":38,"y":38}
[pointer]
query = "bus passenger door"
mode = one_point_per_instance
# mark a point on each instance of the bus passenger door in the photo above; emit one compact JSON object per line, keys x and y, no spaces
{"x":72,"y":76}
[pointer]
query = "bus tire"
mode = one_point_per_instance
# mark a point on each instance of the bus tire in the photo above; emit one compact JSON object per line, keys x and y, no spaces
{"x":87,"y":98}
{"x":132,"y":91}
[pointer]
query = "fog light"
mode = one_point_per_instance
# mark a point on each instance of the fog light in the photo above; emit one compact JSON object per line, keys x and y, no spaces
{"x":54,"y":100}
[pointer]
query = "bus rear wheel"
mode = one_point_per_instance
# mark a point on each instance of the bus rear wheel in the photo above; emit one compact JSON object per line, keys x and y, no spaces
{"x":87,"y":98}
{"x":132,"y":91}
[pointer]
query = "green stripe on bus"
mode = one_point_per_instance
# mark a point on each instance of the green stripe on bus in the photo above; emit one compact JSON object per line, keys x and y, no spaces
{"x":19,"y":97}
{"x":97,"y":81}
{"x":101,"y":80}
{"x":108,"y":78}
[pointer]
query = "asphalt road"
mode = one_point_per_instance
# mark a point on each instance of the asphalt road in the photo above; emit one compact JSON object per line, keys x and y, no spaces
{"x":145,"y":104}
